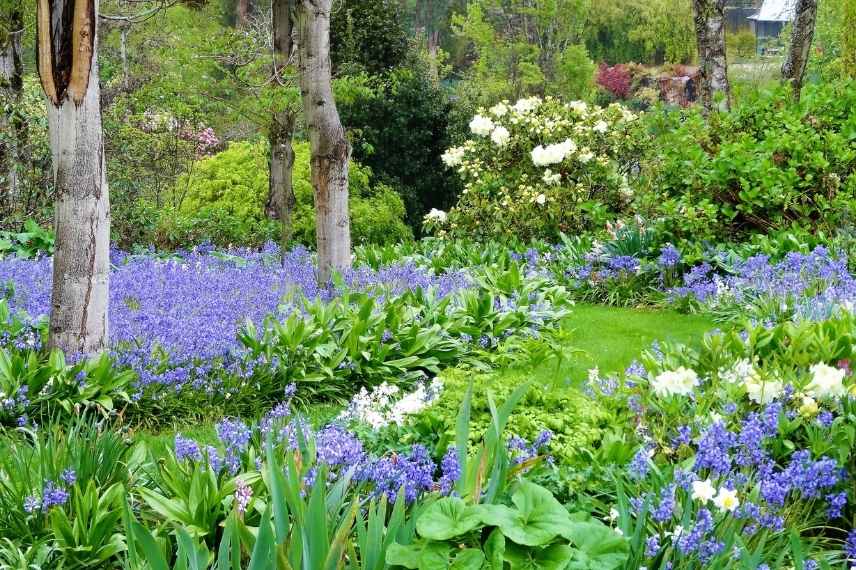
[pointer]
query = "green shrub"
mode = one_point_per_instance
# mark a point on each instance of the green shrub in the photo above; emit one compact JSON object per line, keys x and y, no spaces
{"x":768,"y":165}
{"x":223,"y":201}
{"x":575,"y":421}
{"x":540,"y":167}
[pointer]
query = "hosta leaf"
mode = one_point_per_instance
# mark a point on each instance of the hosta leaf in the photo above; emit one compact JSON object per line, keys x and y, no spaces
{"x":447,"y":518}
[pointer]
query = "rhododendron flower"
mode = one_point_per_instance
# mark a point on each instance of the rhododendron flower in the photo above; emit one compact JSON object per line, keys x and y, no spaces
{"x":764,"y":391}
{"x":500,"y":136}
{"x":453,"y":156}
{"x":499,"y":110}
{"x":435,"y":215}
{"x":481,"y":125}
{"x":524,"y":106}
{"x":552,"y":178}
{"x":600,"y":127}
{"x":552,"y":154}
{"x":826,"y":382}
{"x":541,"y":199}
{"x":580,"y":107}
{"x":680,"y":382}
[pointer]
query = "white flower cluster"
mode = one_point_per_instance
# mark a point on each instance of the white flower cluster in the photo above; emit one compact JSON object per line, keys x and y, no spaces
{"x":553,"y":153}
{"x":681,"y":382}
{"x":481,"y":125}
{"x":382,"y":406}
{"x":826,"y":382}
{"x":453,"y":156}
{"x":436,"y":216}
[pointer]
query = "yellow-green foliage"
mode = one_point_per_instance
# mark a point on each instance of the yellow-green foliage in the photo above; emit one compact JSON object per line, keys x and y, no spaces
{"x":576,"y":421}
{"x":224,"y":201}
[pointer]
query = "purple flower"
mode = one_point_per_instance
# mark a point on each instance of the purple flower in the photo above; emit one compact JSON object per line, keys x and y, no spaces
{"x":243,"y":494}
{"x":669,"y":256}
{"x":31,"y":504}
{"x":850,"y":546}
{"x":186,"y":448}
{"x":53,"y":496}
{"x":652,"y":546}
{"x":68,"y":477}
{"x":451,"y":470}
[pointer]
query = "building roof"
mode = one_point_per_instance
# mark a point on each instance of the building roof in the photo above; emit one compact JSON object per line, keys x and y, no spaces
{"x":775,"y":11}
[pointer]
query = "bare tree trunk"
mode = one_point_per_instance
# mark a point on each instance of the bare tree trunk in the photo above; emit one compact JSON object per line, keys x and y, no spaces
{"x":281,"y":199}
{"x":714,"y":89}
{"x":11,"y":87}
{"x":242,"y":13}
{"x":802,"y":34}
{"x":67,"y":40}
{"x":331,"y":150}
{"x":123,"y":52}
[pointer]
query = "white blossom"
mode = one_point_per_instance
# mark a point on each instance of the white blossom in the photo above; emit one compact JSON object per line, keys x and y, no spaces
{"x":826,"y":382}
{"x":500,"y":136}
{"x":680,"y":382}
{"x":453,"y":156}
{"x":481,"y":125}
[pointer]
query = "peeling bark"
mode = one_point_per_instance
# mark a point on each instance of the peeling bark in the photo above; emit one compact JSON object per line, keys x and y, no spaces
{"x":67,"y":53}
{"x":714,"y":89}
{"x":802,"y":34}
{"x":11,"y":87}
{"x":331,"y":150}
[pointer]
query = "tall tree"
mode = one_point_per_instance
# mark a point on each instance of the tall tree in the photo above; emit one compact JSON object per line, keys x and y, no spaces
{"x":281,"y":199}
{"x":802,"y":34}
{"x":67,"y":42}
{"x":714,"y":89}
{"x":11,"y":87}
{"x":330,"y":148}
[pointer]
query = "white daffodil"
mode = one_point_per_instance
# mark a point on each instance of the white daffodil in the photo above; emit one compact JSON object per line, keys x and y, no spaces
{"x":703,"y":491}
{"x":726,"y":500}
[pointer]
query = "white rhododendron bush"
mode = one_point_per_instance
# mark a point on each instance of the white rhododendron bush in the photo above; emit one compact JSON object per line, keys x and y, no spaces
{"x":541,"y":166}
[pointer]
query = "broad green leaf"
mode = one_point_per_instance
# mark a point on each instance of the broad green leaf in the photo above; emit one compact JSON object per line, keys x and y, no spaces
{"x":447,"y":518}
{"x":554,"y":557}
{"x":404,"y":555}
{"x":536,"y":521}
{"x":468,"y":559}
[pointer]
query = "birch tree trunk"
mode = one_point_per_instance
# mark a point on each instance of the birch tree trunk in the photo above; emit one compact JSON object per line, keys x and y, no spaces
{"x":67,"y":41}
{"x":714,"y":89}
{"x":11,"y":87}
{"x":802,"y":34}
{"x":330,"y":147}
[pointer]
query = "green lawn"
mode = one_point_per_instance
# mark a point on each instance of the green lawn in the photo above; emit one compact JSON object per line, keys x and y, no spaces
{"x":610,"y":338}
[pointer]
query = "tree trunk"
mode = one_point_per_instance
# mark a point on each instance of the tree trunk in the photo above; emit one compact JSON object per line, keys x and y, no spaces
{"x":11,"y":87}
{"x":67,"y":43}
{"x":281,"y":199}
{"x":793,"y":70}
{"x":714,"y":90}
{"x":242,"y":13}
{"x":330,"y":147}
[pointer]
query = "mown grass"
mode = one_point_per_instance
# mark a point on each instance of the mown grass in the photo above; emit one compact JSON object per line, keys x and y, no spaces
{"x":611,"y":338}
